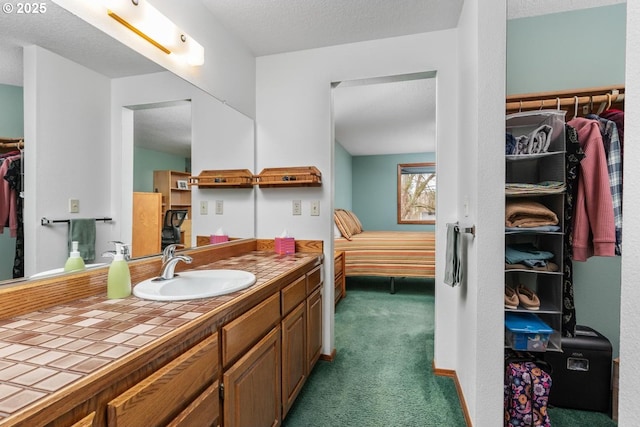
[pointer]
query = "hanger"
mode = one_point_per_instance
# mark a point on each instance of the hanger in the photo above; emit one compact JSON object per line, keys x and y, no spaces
{"x":520,"y":109}
{"x":558,"y":103}
{"x":575,"y":109}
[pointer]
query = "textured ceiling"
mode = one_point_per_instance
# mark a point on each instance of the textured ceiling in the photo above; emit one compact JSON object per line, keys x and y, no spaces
{"x":275,"y":26}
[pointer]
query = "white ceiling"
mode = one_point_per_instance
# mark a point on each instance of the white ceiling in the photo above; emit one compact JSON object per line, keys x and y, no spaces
{"x":273,"y":26}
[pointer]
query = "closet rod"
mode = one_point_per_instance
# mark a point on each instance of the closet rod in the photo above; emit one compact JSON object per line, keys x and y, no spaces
{"x":9,"y":143}
{"x":565,"y":102}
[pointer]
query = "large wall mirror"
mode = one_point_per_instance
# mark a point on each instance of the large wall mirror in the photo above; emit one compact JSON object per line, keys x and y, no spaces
{"x":77,"y":92}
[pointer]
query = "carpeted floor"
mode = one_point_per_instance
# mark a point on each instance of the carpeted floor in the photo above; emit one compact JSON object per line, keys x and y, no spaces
{"x":382,"y":375}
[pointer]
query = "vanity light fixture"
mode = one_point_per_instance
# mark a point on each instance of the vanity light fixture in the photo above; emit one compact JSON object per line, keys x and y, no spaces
{"x":146,"y":21}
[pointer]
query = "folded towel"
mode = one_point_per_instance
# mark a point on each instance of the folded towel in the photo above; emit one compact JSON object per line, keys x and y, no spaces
{"x":83,"y":230}
{"x":540,"y":139}
{"x":453,"y":263}
{"x":525,"y":253}
{"x":527,"y":213}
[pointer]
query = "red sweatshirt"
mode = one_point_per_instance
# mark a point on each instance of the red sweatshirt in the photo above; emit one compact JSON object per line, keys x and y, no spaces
{"x":593,"y":208}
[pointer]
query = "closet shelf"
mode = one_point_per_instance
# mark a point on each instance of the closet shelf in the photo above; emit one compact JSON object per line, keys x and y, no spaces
{"x":223,"y":178}
{"x":303,"y":176}
{"x":529,"y":157}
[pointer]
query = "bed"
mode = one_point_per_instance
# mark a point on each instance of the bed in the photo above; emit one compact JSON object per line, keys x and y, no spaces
{"x":383,"y":253}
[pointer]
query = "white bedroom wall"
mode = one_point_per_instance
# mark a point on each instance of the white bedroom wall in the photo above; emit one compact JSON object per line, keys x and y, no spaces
{"x":293,"y":105}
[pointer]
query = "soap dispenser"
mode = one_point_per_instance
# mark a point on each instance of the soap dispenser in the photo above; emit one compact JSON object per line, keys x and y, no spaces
{"x":119,"y":277}
{"x":75,"y":261}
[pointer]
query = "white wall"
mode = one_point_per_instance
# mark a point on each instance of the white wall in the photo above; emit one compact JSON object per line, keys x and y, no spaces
{"x":222,"y":138}
{"x":479,"y":364}
{"x":66,"y":122}
{"x":293,"y":116}
{"x":630,"y":292}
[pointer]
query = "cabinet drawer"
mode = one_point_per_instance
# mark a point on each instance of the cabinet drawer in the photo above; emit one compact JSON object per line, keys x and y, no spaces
{"x":314,"y":279}
{"x":204,"y":411}
{"x":86,"y":421}
{"x":241,"y":333}
{"x":293,"y":295}
{"x":161,"y":396}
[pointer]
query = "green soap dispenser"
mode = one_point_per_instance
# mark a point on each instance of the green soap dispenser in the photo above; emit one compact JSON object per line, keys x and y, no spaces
{"x":75,"y":261}
{"x":119,"y":277}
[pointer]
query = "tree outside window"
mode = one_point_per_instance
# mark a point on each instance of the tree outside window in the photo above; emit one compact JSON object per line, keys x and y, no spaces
{"x":417,"y":193}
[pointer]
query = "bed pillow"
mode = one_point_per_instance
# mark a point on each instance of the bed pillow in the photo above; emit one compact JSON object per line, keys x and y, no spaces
{"x":336,"y":231}
{"x":356,"y":222}
{"x":345,"y":223}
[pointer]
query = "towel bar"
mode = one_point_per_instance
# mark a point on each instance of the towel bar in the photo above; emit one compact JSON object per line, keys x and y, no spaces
{"x":45,"y":221}
{"x":467,"y":230}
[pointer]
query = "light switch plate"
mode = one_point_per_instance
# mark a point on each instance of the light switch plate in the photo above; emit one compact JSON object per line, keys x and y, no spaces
{"x":297,"y":207}
{"x":219,"y":207}
{"x":315,"y":208}
{"x":74,"y":205}
{"x":204,"y":207}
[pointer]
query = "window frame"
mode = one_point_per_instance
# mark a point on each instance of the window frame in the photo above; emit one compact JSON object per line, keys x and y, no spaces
{"x":401,"y":167}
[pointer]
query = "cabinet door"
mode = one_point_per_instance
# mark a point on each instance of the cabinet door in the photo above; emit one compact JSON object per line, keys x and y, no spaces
{"x":314,"y":328}
{"x":252,"y":386}
{"x":203,"y":412}
{"x":294,"y":360}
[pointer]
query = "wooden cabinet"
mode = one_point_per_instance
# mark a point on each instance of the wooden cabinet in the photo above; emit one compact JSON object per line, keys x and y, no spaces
{"x":314,"y":328}
{"x":167,"y":393}
{"x":294,"y":361}
{"x":176,"y":194}
{"x":252,"y":385}
{"x":339,"y":277}
{"x":147,"y":224}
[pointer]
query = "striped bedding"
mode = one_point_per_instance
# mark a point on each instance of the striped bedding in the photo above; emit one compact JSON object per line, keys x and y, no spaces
{"x":389,"y":253}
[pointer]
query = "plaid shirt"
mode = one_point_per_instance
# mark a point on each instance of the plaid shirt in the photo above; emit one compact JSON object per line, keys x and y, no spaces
{"x":609,"y":132}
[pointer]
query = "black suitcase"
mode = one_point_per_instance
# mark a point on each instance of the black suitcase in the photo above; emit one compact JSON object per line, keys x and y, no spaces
{"x":582,"y":372}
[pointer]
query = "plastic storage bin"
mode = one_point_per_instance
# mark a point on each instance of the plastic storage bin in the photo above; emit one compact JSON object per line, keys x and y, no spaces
{"x":525,"y":331}
{"x":582,"y":371}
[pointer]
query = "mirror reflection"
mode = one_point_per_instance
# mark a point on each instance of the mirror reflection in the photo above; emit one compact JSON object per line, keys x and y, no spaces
{"x":74,"y":105}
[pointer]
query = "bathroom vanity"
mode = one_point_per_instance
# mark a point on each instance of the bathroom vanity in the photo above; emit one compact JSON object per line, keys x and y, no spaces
{"x":71,"y":357}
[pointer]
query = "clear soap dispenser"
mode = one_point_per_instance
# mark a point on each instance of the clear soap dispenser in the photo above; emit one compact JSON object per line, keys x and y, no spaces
{"x":119,"y":277}
{"x":75,"y":261}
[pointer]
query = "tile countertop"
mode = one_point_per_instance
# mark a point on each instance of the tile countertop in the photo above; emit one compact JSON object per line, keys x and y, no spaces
{"x":44,"y":351}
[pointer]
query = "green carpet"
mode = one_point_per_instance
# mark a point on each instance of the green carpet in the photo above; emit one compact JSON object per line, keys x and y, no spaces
{"x":381,"y":375}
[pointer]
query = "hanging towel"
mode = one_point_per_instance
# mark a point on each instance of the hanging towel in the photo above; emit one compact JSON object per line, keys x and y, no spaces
{"x":83,"y":230}
{"x":453,"y":268}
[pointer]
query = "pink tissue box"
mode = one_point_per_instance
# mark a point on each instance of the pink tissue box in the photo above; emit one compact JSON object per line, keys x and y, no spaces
{"x":218,"y":239}
{"x":285,"y":245}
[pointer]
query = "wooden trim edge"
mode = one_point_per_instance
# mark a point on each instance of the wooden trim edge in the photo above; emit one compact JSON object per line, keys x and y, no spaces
{"x":453,"y":374}
{"x":328,"y":357}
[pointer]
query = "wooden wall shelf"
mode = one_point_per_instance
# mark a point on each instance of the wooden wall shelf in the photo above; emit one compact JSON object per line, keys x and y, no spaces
{"x":230,"y":178}
{"x":304,"y":176}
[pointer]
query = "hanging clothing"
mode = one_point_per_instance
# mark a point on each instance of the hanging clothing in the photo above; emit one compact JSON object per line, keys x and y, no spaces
{"x":610,"y":138}
{"x":594,"y":229}
{"x":8,"y":199}
{"x":14,"y":178}
{"x":573,"y":157}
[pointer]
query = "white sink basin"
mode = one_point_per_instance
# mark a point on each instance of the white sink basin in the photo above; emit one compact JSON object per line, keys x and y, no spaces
{"x":194,"y":284}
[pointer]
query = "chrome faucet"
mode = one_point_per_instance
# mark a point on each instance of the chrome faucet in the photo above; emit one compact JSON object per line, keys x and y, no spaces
{"x":169,"y":261}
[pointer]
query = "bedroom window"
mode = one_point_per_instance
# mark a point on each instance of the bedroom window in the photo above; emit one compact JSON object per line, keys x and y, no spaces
{"x":417,"y":193}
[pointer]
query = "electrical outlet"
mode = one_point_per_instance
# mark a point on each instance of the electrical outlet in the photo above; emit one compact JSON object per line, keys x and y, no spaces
{"x":315,"y":208}
{"x":204,"y":207}
{"x":297,"y":207}
{"x":219,"y":207}
{"x":74,"y":205}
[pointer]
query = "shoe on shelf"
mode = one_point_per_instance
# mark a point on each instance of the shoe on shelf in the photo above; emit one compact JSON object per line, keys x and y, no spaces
{"x":528,"y":298}
{"x":510,"y":298}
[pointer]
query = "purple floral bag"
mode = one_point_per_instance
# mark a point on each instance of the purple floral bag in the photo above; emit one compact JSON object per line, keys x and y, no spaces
{"x":526,"y":395}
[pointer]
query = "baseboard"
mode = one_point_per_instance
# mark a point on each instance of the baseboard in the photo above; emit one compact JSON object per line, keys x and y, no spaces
{"x":328,"y":357}
{"x":452,"y":374}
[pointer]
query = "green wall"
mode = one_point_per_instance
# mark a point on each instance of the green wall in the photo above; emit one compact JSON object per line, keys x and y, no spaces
{"x":343,"y":178}
{"x":11,"y":126}
{"x":568,"y":51}
{"x":374,"y":190}
{"x":145,"y":161}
